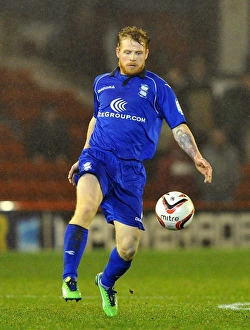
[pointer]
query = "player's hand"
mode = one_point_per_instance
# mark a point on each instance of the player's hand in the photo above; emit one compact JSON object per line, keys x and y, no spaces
{"x":74,"y":169}
{"x":205,"y":168}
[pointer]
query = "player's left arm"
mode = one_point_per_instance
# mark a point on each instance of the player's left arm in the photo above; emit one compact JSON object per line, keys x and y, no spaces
{"x":186,"y":141}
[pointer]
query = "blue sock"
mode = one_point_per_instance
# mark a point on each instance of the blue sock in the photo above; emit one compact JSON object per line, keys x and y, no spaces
{"x":75,"y":240}
{"x":114,"y":269}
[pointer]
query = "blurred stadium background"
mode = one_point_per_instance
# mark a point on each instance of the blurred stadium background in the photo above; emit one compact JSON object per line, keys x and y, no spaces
{"x":50,"y":51}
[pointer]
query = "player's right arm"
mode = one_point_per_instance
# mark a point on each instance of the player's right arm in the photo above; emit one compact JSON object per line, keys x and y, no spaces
{"x":75,"y":167}
{"x":89,"y":132}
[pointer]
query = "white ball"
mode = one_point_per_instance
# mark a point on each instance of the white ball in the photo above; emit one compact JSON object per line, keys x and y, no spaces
{"x":174,"y":210}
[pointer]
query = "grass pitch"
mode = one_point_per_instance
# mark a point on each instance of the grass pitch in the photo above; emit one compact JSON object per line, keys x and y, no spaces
{"x":178,"y":289}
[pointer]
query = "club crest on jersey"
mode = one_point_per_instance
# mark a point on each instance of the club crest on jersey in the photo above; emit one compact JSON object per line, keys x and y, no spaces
{"x":143,"y":92}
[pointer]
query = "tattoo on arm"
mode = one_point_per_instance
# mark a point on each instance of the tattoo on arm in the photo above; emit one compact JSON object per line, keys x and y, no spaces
{"x":186,"y":142}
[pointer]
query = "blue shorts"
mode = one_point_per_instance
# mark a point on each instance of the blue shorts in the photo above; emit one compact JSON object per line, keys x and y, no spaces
{"x":122,"y":183}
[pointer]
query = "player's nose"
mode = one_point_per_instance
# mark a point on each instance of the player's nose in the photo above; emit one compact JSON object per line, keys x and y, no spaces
{"x":132,"y":57}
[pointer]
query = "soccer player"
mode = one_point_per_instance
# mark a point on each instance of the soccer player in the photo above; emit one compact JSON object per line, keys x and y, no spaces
{"x":130,"y":104}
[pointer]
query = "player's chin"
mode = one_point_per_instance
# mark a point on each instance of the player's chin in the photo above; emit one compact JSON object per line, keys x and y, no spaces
{"x":132,"y":70}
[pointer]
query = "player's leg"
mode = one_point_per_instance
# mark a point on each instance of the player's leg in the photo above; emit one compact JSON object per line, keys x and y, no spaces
{"x":124,"y":203}
{"x":127,"y":241}
{"x":89,"y":196}
{"x":127,"y":238}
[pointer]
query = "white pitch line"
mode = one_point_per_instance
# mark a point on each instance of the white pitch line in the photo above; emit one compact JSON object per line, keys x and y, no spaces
{"x":236,"y":306}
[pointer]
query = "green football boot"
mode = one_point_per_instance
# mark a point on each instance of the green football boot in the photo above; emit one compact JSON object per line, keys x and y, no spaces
{"x":109,"y":300}
{"x":70,"y":290}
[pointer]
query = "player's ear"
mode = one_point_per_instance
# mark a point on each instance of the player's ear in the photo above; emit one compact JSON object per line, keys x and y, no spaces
{"x":147,"y":52}
{"x":117,"y":50}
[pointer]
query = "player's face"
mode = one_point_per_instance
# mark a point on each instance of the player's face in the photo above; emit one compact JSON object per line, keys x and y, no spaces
{"x":132,"y":57}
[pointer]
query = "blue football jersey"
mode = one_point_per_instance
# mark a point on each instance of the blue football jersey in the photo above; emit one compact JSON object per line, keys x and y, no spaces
{"x":129,"y":112}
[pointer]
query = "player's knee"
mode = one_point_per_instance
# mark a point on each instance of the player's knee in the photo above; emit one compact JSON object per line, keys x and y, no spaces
{"x":83,"y":215}
{"x":127,"y":253}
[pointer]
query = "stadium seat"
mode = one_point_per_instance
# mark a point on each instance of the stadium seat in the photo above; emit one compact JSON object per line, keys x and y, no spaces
{"x":242,"y":191}
{"x":12,"y":151}
{"x":24,"y":180}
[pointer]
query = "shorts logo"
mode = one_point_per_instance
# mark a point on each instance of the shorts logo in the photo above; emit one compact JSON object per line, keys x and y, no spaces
{"x":118,"y":105}
{"x":87,"y":166}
